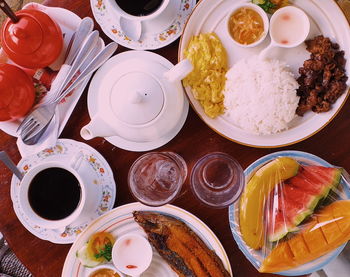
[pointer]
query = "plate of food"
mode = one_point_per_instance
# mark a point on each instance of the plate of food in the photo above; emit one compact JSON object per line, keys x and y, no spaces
{"x":273,"y":99}
{"x":164,"y":227}
{"x":292,"y":215}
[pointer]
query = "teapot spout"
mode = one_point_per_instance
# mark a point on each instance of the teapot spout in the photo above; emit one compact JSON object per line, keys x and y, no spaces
{"x":179,"y":71}
{"x":96,"y":128}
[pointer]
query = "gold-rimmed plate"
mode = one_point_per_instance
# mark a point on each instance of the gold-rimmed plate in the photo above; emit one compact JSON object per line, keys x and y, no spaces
{"x":120,"y":221}
{"x":326,"y":18}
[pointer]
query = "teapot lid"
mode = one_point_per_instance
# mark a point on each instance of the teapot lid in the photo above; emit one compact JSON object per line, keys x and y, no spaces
{"x":138,"y":98}
{"x":25,"y":36}
{"x":34,"y":41}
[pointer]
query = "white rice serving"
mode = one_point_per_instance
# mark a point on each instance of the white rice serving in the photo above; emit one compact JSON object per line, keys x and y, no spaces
{"x":260,"y":95}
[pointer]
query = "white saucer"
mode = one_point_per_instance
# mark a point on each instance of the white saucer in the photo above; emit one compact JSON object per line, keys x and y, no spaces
{"x":93,"y":101}
{"x":111,"y":27}
{"x":102,"y":177}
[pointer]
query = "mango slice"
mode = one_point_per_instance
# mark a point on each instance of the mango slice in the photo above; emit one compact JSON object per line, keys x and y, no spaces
{"x":314,"y":239}
{"x":329,"y":227}
{"x":298,"y":247}
{"x":321,"y":236}
{"x":255,"y":194}
{"x":280,"y":258}
{"x":341,"y":212}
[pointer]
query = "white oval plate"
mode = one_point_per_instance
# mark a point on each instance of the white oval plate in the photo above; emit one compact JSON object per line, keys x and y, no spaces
{"x":256,"y":257}
{"x":120,"y":221}
{"x":326,"y":18}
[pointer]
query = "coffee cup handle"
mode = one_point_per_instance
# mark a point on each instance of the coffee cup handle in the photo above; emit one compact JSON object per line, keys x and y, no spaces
{"x":76,"y":161}
{"x":179,"y":71}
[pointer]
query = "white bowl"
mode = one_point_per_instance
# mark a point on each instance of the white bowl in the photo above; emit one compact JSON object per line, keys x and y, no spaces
{"x":107,"y":266}
{"x":264,"y":17}
{"x":134,"y":250}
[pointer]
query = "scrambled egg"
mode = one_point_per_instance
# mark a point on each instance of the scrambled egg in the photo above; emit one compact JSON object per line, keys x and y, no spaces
{"x":207,"y":80}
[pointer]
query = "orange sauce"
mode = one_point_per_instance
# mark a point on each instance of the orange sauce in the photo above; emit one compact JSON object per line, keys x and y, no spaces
{"x":246,"y":26}
{"x":104,"y":272}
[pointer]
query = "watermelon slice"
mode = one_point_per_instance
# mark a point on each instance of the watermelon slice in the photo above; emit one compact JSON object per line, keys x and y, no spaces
{"x":297,"y":198}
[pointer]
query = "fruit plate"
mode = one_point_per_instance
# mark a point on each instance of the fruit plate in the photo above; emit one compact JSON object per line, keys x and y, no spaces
{"x":256,"y":257}
{"x":325,"y":17}
{"x":120,"y":221}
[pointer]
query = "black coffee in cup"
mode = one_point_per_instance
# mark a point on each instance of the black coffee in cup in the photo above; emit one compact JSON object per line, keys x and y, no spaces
{"x":139,"y":7}
{"x":54,"y":193}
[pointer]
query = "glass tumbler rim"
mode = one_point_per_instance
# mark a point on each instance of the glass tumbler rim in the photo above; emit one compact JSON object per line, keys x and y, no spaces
{"x":197,"y":170}
{"x":180,"y":163}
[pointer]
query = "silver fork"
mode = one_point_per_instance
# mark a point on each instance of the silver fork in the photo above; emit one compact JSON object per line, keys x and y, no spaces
{"x":39,"y":117}
{"x":84,"y":29}
{"x":44,"y":114}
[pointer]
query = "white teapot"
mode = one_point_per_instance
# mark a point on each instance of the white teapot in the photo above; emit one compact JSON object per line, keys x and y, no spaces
{"x":139,"y":98}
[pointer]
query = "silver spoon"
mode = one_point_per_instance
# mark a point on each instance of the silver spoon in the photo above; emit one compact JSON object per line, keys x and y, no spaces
{"x":100,"y":59}
{"x":9,"y":163}
{"x":40,"y":116}
{"x":132,"y":28}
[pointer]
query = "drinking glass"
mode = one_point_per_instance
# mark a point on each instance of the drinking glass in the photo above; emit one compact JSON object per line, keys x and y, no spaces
{"x":217,"y":180}
{"x":156,"y":178}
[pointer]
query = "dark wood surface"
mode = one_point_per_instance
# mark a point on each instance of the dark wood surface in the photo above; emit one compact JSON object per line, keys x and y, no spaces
{"x":194,"y":140}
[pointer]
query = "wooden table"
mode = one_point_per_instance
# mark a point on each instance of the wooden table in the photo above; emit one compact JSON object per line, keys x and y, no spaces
{"x":44,"y":258}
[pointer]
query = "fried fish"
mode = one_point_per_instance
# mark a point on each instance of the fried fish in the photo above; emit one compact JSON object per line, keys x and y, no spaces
{"x":183,"y":250}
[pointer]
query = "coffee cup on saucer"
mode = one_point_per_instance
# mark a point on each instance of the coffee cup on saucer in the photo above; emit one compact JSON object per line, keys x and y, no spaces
{"x":145,"y":16}
{"x":54,"y":194}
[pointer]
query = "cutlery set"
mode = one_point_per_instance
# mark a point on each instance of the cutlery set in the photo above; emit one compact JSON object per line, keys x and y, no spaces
{"x":82,"y":60}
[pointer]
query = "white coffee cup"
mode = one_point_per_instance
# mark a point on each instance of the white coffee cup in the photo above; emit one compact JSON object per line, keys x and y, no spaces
{"x":71,"y":166}
{"x":156,"y":22}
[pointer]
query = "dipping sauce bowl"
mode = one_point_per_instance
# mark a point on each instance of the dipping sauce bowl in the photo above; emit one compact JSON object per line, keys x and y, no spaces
{"x":289,"y":27}
{"x":105,"y":270}
{"x":132,"y":254}
{"x":247,"y":25}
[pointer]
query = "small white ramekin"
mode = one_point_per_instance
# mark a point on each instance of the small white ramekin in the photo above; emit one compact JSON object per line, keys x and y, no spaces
{"x":264,"y":17}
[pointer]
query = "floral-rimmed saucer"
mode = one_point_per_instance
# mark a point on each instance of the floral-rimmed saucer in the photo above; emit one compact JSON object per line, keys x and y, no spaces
{"x":100,"y":173}
{"x":111,"y":27}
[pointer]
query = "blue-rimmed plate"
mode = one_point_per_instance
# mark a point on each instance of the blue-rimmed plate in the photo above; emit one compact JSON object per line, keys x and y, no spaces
{"x":119,"y":221}
{"x":256,"y":257}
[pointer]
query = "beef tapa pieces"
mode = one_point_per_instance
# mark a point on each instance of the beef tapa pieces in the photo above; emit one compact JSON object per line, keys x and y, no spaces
{"x":323,"y":77}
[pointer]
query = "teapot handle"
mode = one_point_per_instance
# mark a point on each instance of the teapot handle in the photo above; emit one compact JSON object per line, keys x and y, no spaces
{"x":179,"y":71}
